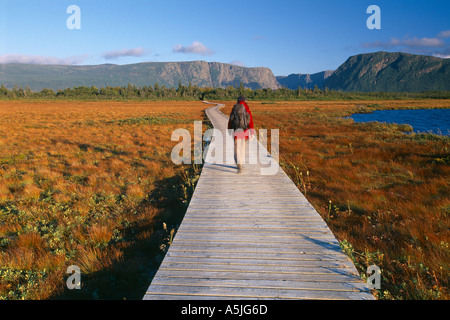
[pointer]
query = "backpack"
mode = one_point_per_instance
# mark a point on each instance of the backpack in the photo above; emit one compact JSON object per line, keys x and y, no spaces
{"x":239,"y":117}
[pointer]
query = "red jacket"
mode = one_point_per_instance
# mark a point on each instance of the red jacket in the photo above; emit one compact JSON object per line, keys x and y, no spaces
{"x":251,"y":128}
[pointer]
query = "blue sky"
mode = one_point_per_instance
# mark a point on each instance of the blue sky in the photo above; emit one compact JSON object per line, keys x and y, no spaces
{"x":287,"y":36}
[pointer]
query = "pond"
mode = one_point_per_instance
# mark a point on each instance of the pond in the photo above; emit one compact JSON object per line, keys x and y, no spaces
{"x":436,"y":121}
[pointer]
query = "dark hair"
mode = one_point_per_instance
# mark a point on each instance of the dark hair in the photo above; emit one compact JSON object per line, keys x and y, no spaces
{"x":241,"y":98}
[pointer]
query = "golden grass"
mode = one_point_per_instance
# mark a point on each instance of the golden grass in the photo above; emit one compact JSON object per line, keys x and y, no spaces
{"x":91,"y":184}
{"x":389,"y":191}
{"x":76,"y":180}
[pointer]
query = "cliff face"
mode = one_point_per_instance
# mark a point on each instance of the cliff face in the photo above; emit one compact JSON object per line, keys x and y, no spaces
{"x":169,"y":74}
{"x":223,"y":75}
{"x":309,"y":81}
{"x":391,"y":71}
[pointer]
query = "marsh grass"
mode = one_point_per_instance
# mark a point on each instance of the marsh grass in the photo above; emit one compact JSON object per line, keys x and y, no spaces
{"x":92,"y":184}
{"x":89,"y":184}
{"x":383,"y":193}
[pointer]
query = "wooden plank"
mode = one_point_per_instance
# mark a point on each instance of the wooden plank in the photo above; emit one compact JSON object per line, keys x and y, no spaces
{"x":257,"y":221}
{"x":272,"y":243}
{"x":257,"y":293}
{"x":256,"y":229}
{"x":277,"y":226}
{"x":255,"y":275}
{"x":302,"y":249}
{"x":244,"y":224}
{"x":259,"y":268}
{"x":256,"y":261}
{"x":251,"y":236}
{"x":268,"y":255}
{"x":255,"y":236}
{"x":175,"y":297}
{"x":262,"y":283}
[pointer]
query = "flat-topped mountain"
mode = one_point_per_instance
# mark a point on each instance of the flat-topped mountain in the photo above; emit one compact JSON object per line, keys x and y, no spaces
{"x":169,"y":74}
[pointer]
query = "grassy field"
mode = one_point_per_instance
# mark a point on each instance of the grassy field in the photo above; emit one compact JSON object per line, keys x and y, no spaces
{"x":92,"y":184}
{"x":89,"y":184}
{"x":384,"y":194}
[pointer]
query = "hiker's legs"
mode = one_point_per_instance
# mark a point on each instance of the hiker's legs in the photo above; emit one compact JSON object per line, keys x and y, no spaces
{"x":239,"y":152}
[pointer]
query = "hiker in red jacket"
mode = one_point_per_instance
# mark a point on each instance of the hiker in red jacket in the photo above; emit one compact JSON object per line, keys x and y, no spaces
{"x":242,"y":124}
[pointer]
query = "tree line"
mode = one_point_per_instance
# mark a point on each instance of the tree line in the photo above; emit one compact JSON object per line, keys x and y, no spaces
{"x":193,"y":92}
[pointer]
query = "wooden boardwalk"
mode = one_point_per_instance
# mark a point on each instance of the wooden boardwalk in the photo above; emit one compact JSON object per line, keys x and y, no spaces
{"x":253,"y":236}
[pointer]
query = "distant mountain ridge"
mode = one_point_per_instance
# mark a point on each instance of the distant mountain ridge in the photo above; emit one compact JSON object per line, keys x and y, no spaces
{"x":378,"y":71}
{"x":168,"y":74}
{"x":391,"y":72}
{"x":309,"y":81}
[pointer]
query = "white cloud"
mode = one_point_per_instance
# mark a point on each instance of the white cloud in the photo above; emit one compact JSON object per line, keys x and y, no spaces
{"x":237,"y":63}
{"x":443,"y":56}
{"x":196,"y":47}
{"x":382,"y":44}
{"x":423,"y":42}
{"x":444,"y":34}
{"x":34,"y":59}
{"x":135,"y":52}
{"x":443,"y":53}
{"x":409,"y":43}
